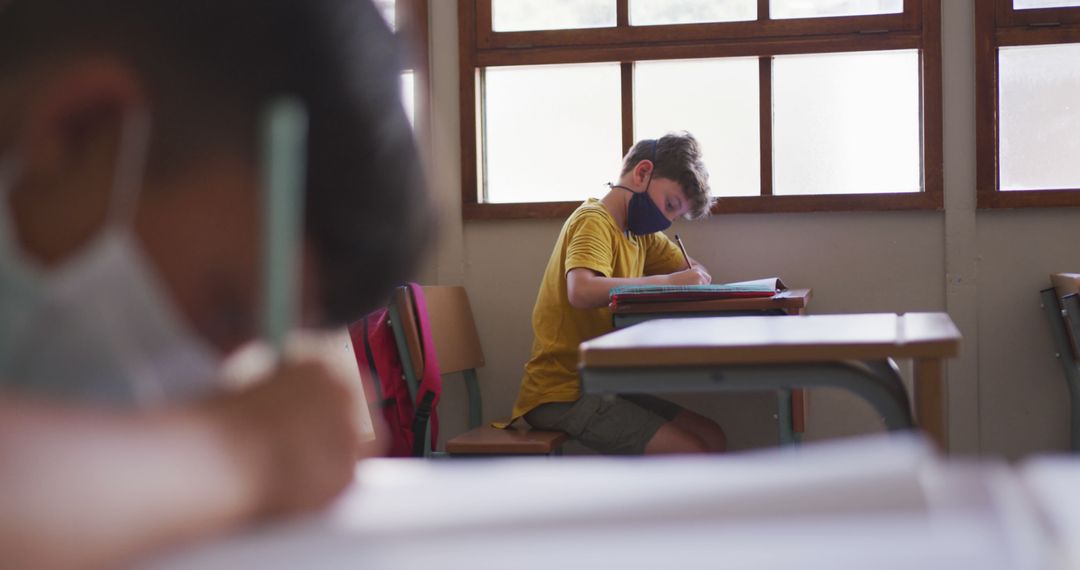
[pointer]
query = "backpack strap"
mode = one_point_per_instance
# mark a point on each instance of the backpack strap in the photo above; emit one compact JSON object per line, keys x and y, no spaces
{"x":420,"y":422}
{"x":427,"y":341}
{"x":431,"y":382}
{"x":370,"y":357}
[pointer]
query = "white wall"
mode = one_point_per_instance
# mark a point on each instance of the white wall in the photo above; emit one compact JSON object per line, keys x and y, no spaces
{"x":985,"y":268}
{"x":1023,"y":402}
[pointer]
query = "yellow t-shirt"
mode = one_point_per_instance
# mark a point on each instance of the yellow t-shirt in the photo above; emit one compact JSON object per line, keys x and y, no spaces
{"x":589,"y":239}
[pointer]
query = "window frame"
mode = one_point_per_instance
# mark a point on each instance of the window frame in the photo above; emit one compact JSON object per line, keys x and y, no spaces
{"x":998,"y":24}
{"x":412,"y":22}
{"x":918,"y":27}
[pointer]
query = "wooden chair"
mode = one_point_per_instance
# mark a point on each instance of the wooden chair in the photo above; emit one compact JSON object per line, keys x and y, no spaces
{"x":1061,"y":304}
{"x":457,"y":347}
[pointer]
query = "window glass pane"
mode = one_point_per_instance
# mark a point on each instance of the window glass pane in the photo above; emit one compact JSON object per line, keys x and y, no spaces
{"x":552,"y":133}
{"x":717,"y":101}
{"x":1026,"y":4}
{"x":387,"y":7}
{"x":408,"y":95}
{"x":846,"y":123}
{"x":521,"y":15}
{"x":780,"y":9}
{"x":652,"y":12}
{"x":1039,"y":117}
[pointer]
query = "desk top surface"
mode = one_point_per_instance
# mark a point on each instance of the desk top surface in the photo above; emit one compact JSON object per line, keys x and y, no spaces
{"x":787,"y":299}
{"x":887,"y":504}
{"x":756,"y":340}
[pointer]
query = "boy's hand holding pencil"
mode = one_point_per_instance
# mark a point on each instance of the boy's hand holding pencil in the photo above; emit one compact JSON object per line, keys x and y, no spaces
{"x":693,"y":274}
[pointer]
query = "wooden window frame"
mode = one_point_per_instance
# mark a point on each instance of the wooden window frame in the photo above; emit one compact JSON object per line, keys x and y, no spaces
{"x":998,"y":24}
{"x":412,"y":21}
{"x":918,"y":27}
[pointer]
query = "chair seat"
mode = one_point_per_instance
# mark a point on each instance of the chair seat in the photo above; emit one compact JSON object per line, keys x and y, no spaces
{"x":486,"y":440}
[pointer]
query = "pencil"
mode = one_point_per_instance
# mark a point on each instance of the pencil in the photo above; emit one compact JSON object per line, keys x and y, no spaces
{"x":683,"y":248}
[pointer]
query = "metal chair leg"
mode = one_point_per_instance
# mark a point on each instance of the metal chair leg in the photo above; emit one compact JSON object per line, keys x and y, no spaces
{"x":1064,"y":351}
{"x":472,"y":386}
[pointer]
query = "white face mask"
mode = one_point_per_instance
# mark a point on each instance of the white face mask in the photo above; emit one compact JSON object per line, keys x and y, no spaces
{"x":98,"y":327}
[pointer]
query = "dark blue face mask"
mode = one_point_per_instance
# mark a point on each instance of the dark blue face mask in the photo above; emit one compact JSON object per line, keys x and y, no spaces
{"x":642,"y":215}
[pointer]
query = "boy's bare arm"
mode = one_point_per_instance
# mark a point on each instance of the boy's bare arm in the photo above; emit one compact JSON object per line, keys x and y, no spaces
{"x":589,"y":290}
{"x":82,"y":488}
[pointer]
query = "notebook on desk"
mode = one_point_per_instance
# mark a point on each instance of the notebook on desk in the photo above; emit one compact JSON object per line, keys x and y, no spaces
{"x":630,"y":294}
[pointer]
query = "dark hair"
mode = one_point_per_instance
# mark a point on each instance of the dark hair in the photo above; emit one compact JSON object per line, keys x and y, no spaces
{"x":210,"y":67}
{"x":677,"y":157}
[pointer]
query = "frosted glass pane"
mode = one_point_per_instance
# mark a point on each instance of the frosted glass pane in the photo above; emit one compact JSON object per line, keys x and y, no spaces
{"x":781,"y":9}
{"x":1027,"y":4}
{"x":408,"y":96}
{"x":553,"y":133}
{"x":1039,"y":90}
{"x":386,"y":8}
{"x":846,"y":123}
{"x":521,"y":15}
{"x":652,"y":12}
{"x":717,"y":101}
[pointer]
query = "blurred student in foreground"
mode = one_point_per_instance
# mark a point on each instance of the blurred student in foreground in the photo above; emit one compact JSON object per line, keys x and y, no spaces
{"x":130,"y":246}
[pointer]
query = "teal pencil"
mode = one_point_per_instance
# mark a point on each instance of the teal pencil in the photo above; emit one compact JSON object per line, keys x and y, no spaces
{"x":285,"y":129}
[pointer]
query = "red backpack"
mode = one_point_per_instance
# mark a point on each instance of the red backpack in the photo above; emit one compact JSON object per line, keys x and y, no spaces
{"x":376,"y":351}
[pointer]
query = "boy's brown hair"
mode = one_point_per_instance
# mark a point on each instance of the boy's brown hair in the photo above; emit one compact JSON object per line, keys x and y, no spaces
{"x":678,"y":158}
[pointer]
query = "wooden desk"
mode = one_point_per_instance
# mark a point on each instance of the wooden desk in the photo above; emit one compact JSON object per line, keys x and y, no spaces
{"x":742,"y":353}
{"x":791,"y":404}
{"x":1066,"y":283}
{"x":845,"y":505}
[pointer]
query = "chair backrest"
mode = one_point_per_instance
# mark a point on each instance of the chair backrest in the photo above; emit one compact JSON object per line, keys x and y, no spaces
{"x":453,"y":329}
{"x":1066,"y":284}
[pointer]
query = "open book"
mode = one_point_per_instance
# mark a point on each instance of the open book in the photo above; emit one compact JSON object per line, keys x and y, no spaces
{"x":628,"y":294}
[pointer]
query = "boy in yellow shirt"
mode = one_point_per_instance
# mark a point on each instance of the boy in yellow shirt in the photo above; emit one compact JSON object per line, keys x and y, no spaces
{"x":614,"y":241}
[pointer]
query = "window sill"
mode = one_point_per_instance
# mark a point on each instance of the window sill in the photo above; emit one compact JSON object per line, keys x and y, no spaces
{"x":989,"y":200}
{"x":733,"y":205}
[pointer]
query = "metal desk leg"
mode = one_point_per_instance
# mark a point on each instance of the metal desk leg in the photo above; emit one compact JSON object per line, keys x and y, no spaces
{"x":888,"y":369}
{"x":877,"y":384}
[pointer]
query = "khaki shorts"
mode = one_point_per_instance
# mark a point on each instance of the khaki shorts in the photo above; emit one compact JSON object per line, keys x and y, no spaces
{"x":620,"y":425}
